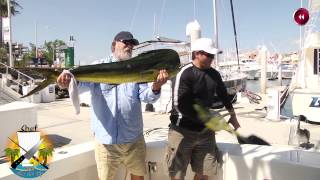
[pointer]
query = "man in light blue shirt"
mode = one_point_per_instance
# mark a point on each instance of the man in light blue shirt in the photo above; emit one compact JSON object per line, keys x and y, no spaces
{"x":116,"y":115}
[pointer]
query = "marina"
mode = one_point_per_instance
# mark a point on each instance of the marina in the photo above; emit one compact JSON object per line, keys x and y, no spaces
{"x":276,"y":98}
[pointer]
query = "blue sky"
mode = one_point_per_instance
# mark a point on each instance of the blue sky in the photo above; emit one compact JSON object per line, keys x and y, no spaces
{"x":94,"y":23}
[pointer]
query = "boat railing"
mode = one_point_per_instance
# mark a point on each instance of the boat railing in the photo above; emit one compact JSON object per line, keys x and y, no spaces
{"x":284,"y":95}
{"x":18,"y":81}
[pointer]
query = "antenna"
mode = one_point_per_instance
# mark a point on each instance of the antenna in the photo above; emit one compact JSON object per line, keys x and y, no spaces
{"x":154,"y":25}
{"x":215,"y":25}
{"x":134,"y":14}
{"x":300,"y":29}
{"x":194,"y":9}
{"x":161,"y":15}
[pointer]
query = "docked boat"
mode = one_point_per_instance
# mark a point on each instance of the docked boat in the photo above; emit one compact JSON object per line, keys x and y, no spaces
{"x":239,"y":162}
{"x":272,"y":72}
{"x":247,"y":66}
{"x":233,"y":80}
{"x":287,"y":70}
{"x":306,"y":81}
{"x":250,"y":67}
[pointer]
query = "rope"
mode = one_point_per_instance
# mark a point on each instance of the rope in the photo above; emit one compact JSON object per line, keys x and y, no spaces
{"x":253,"y":97}
{"x":156,"y":133}
{"x":252,"y":114}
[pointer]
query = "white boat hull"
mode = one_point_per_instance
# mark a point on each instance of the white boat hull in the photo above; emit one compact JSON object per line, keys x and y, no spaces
{"x":270,"y":75}
{"x":239,"y":163}
{"x":307,"y":102}
{"x":251,"y":74}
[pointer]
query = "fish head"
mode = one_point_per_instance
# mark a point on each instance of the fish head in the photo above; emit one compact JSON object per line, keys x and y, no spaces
{"x":212,"y":120}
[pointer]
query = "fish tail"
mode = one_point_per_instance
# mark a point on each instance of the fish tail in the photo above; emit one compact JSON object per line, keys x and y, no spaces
{"x":51,"y":76}
{"x":41,"y":86}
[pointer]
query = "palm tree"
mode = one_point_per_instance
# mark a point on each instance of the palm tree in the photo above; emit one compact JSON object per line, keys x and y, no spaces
{"x":50,"y":47}
{"x":4,"y":8}
{"x":44,"y":153}
{"x":4,"y":12}
{"x":12,"y":154}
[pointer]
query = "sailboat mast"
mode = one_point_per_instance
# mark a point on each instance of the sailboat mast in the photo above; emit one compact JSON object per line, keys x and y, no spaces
{"x":215,"y":28}
{"x":235,"y":34}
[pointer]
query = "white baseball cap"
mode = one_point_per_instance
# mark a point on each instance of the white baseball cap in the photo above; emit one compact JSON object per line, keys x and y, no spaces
{"x":205,"y":44}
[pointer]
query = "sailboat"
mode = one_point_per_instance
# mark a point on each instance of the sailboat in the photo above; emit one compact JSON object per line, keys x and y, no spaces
{"x":235,"y":81}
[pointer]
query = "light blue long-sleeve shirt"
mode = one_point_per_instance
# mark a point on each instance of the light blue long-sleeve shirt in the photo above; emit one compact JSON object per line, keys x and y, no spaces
{"x":116,"y":115}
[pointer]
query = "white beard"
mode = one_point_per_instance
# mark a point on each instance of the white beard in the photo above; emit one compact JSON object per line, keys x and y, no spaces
{"x":122,"y":54}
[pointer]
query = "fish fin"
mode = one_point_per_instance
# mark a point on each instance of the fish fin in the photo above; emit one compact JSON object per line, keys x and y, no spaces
{"x":150,"y":71}
{"x":155,"y":74}
{"x":142,"y":82}
{"x":41,"y":86}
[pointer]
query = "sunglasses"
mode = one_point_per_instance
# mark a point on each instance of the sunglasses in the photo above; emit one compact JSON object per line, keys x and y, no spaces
{"x":211,"y":56}
{"x":127,"y":42}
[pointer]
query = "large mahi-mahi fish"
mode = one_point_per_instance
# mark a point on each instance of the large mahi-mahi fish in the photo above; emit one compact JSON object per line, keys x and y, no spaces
{"x":140,"y":69}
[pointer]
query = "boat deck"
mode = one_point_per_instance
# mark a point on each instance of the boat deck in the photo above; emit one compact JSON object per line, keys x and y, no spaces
{"x":58,"y":120}
{"x":72,"y":133}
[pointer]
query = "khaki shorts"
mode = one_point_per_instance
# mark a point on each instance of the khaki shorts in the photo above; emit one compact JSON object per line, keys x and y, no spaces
{"x":109,"y":157}
{"x":197,"y":148}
